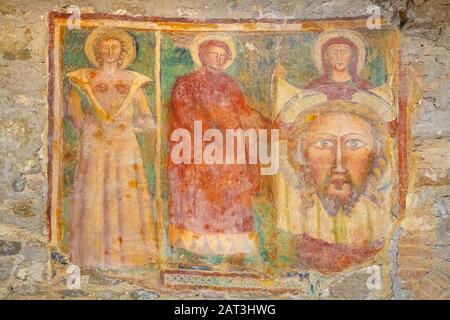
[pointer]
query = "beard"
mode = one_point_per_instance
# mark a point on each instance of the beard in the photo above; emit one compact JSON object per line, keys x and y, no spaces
{"x":334,"y":202}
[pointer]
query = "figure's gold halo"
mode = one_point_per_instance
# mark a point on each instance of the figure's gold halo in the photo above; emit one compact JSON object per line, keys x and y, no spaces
{"x":375,"y":104}
{"x":115,"y":33}
{"x":197,"y":42}
{"x":353,"y":36}
{"x":340,"y":106}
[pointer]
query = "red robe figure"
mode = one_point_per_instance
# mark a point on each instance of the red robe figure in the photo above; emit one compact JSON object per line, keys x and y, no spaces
{"x":211,"y":204}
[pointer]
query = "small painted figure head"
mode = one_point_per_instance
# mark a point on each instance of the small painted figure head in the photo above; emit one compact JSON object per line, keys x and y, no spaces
{"x":214,"y":54}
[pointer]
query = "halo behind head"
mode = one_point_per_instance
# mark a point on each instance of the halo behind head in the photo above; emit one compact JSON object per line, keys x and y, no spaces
{"x":340,"y":106}
{"x":199,"y":40}
{"x":353,"y":36}
{"x":102,"y":33}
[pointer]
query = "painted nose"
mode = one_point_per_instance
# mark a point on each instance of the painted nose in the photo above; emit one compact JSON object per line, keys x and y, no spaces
{"x":338,"y":168}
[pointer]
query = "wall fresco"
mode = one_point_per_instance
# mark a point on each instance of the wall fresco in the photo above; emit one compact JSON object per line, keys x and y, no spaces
{"x":226,"y":154}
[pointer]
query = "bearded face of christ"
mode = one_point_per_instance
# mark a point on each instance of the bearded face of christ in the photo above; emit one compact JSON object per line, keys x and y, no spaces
{"x":339,"y":149}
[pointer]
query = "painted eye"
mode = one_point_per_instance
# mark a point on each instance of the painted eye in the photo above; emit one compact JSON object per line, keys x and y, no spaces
{"x":324,"y":144}
{"x":355,"y":144}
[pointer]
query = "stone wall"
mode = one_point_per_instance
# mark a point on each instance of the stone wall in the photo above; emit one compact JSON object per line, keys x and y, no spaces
{"x":420,"y":251}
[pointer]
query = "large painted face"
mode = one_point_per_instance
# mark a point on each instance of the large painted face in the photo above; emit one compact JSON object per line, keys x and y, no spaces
{"x":338,"y":56}
{"x":110,"y":50}
{"x":338,"y":150}
{"x":216,"y":57}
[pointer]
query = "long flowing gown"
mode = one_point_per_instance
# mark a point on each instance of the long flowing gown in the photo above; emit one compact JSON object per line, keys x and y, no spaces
{"x":111,"y":222}
{"x":211,"y":204}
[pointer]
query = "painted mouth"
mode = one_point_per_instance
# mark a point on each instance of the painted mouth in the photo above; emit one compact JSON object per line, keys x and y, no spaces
{"x":339,"y":182}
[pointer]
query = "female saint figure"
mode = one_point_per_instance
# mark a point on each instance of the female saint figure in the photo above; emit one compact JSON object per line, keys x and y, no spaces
{"x":110,"y":224}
